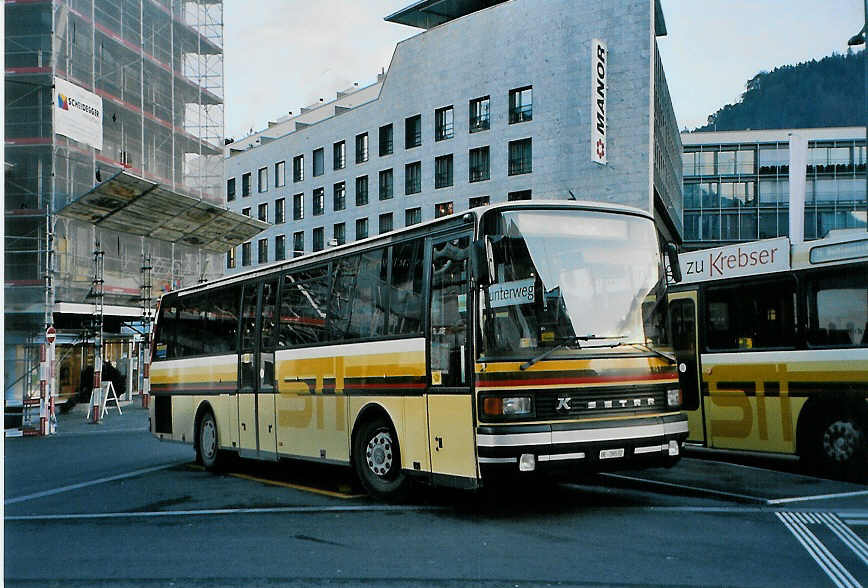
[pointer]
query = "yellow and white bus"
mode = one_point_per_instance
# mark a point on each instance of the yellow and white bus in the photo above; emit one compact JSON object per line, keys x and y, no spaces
{"x":511,"y":337}
{"x":782,"y":348}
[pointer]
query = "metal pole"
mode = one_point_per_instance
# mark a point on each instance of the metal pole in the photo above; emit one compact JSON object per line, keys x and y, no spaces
{"x":865,"y":60}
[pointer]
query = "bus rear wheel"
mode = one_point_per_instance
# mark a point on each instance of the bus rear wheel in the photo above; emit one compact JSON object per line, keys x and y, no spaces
{"x":377,"y":460}
{"x":207,"y":448}
{"x":838,"y":445}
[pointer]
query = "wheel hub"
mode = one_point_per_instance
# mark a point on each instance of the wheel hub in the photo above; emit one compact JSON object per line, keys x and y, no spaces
{"x":841,"y":440}
{"x":378,"y":453}
{"x":209,"y":439}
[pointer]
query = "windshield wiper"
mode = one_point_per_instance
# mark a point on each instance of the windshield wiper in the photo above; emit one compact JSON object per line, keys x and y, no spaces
{"x":567,"y":342}
{"x":656,"y":352}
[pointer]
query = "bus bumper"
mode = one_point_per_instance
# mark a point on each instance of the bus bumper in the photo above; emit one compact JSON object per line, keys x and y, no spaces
{"x":598,"y":445}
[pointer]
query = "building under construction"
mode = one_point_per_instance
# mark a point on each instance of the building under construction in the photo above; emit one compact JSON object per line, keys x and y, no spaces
{"x":157,"y":67}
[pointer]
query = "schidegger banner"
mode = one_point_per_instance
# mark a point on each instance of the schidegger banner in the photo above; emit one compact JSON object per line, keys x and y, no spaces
{"x":77,"y":113}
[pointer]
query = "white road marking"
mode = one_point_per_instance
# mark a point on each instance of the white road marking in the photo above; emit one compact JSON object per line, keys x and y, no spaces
{"x":830,"y":565}
{"x":817,"y":497}
{"x":70,"y":487}
{"x":707,"y":491}
{"x":228,"y":511}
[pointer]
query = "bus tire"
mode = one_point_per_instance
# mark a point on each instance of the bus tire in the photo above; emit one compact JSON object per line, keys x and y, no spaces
{"x":208,"y":451}
{"x":377,"y":460}
{"x":837,"y":443}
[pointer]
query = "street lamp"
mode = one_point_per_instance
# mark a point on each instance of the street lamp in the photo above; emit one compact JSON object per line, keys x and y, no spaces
{"x":860,"y":39}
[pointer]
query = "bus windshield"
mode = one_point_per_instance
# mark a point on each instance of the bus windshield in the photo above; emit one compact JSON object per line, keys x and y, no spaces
{"x":572,"y":280}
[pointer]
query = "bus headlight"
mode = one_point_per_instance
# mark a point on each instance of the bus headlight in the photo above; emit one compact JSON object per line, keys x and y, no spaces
{"x":673,"y":397}
{"x":509,"y":406}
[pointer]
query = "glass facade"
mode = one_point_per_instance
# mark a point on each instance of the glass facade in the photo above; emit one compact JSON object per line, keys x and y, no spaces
{"x":741,"y":192}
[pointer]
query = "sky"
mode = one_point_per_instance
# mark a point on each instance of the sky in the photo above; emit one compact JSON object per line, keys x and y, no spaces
{"x":280,"y":55}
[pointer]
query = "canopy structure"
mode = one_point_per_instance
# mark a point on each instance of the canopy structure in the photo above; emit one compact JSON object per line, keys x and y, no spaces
{"x":130,"y":204}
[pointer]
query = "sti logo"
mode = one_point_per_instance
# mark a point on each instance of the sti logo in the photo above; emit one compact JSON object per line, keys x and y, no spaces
{"x":62,"y":102}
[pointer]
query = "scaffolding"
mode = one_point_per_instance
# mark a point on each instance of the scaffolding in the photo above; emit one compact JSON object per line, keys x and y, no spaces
{"x":158,"y":67}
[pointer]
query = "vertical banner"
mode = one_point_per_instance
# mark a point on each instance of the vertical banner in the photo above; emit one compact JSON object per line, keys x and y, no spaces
{"x":798,"y":169}
{"x":599,"y":90}
{"x":77,"y":113}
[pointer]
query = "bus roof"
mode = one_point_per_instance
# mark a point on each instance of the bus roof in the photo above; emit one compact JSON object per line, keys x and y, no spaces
{"x":443,"y":223}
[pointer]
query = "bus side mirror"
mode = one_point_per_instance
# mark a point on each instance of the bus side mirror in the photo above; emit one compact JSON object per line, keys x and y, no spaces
{"x":479,"y":263}
{"x":674,"y":266}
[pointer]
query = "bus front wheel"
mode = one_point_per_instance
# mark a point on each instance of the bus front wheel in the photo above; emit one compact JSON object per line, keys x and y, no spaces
{"x":838,"y":444}
{"x":377,"y":460}
{"x":207,"y":449}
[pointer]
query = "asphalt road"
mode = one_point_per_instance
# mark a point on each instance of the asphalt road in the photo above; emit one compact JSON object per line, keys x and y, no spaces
{"x":109,"y":505}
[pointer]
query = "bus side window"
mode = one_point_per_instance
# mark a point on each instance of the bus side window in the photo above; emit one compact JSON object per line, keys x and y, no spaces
{"x":405,"y":294}
{"x":757,"y":315}
{"x":303,"y":307}
{"x":838,"y":308}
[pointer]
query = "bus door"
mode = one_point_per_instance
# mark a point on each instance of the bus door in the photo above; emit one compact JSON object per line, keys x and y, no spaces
{"x":683,"y":309}
{"x":449,"y":399}
{"x":256,"y":414}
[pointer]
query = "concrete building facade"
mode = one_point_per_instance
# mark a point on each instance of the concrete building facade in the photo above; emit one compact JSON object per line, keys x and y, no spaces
{"x":489,"y":103}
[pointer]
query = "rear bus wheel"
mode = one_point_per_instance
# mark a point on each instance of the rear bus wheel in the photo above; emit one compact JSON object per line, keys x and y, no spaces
{"x":377,"y":460}
{"x":838,"y":445}
{"x":207,"y":448}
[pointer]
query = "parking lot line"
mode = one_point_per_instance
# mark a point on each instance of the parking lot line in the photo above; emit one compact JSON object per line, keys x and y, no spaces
{"x":70,"y":487}
{"x":331,"y":493}
{"x":699,"y":489}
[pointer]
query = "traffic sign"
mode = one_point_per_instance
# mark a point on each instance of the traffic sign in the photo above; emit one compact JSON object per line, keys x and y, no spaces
{"x":50,"y":335}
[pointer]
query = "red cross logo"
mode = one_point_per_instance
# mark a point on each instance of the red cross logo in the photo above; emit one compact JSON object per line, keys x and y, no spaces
{"x":601,"y":148}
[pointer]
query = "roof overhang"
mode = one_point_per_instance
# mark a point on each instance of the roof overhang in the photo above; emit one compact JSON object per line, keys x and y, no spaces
{"x":130,"y":204}
{"x":426,"y":14}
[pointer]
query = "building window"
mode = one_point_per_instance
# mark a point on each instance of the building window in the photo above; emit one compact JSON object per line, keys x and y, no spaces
{"x":520,"y":105}
{"x":318,"y":201}
{"x":443,"y":171}
{"x":385,"y":222}
{"x":230,"y":259}
{"x":245,"y":254}
{"x":479,"y":164}
{"x":443,"y":123}
{"x":413,"y":131}
{"x":262,"y":212}
{"x":386,"y":140}
{"x":298,"y":207}
{"x":262,"y":253}
{"x":520,"y":195}
{"x":318,"y":162}
{"x":480,"y":114}
{"x":412,"y":216}
{"x":413,"y":178}
{"x":318,"y":239}
{"x":340,"y":155}
{"x":298,"y":168}
{"x":386,"y":184}
{"x":362,"y":148}
{"x":520,"y":153}
{"x":340,"y":196}
{"x":245,"y":185}
{"x":442,"y":209}
{"x":478,"y":201}
{"x":280,"y":248}
{"x":298,"y":244}
{"x":245,"y":211}
{"x":340,"y":233}
{"x":279,"y":211}
{"x":263,"y":179}
{"x":280,"y":174}
{"x":361,"y":228}
{"x":230,"y":189}
{"x":361,"y":190}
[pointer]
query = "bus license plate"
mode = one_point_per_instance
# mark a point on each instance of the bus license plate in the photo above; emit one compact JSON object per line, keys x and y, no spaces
{"x":611,"y":453}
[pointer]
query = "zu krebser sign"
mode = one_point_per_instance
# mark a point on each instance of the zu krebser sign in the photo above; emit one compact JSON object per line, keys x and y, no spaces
{"x":733,"y":261}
